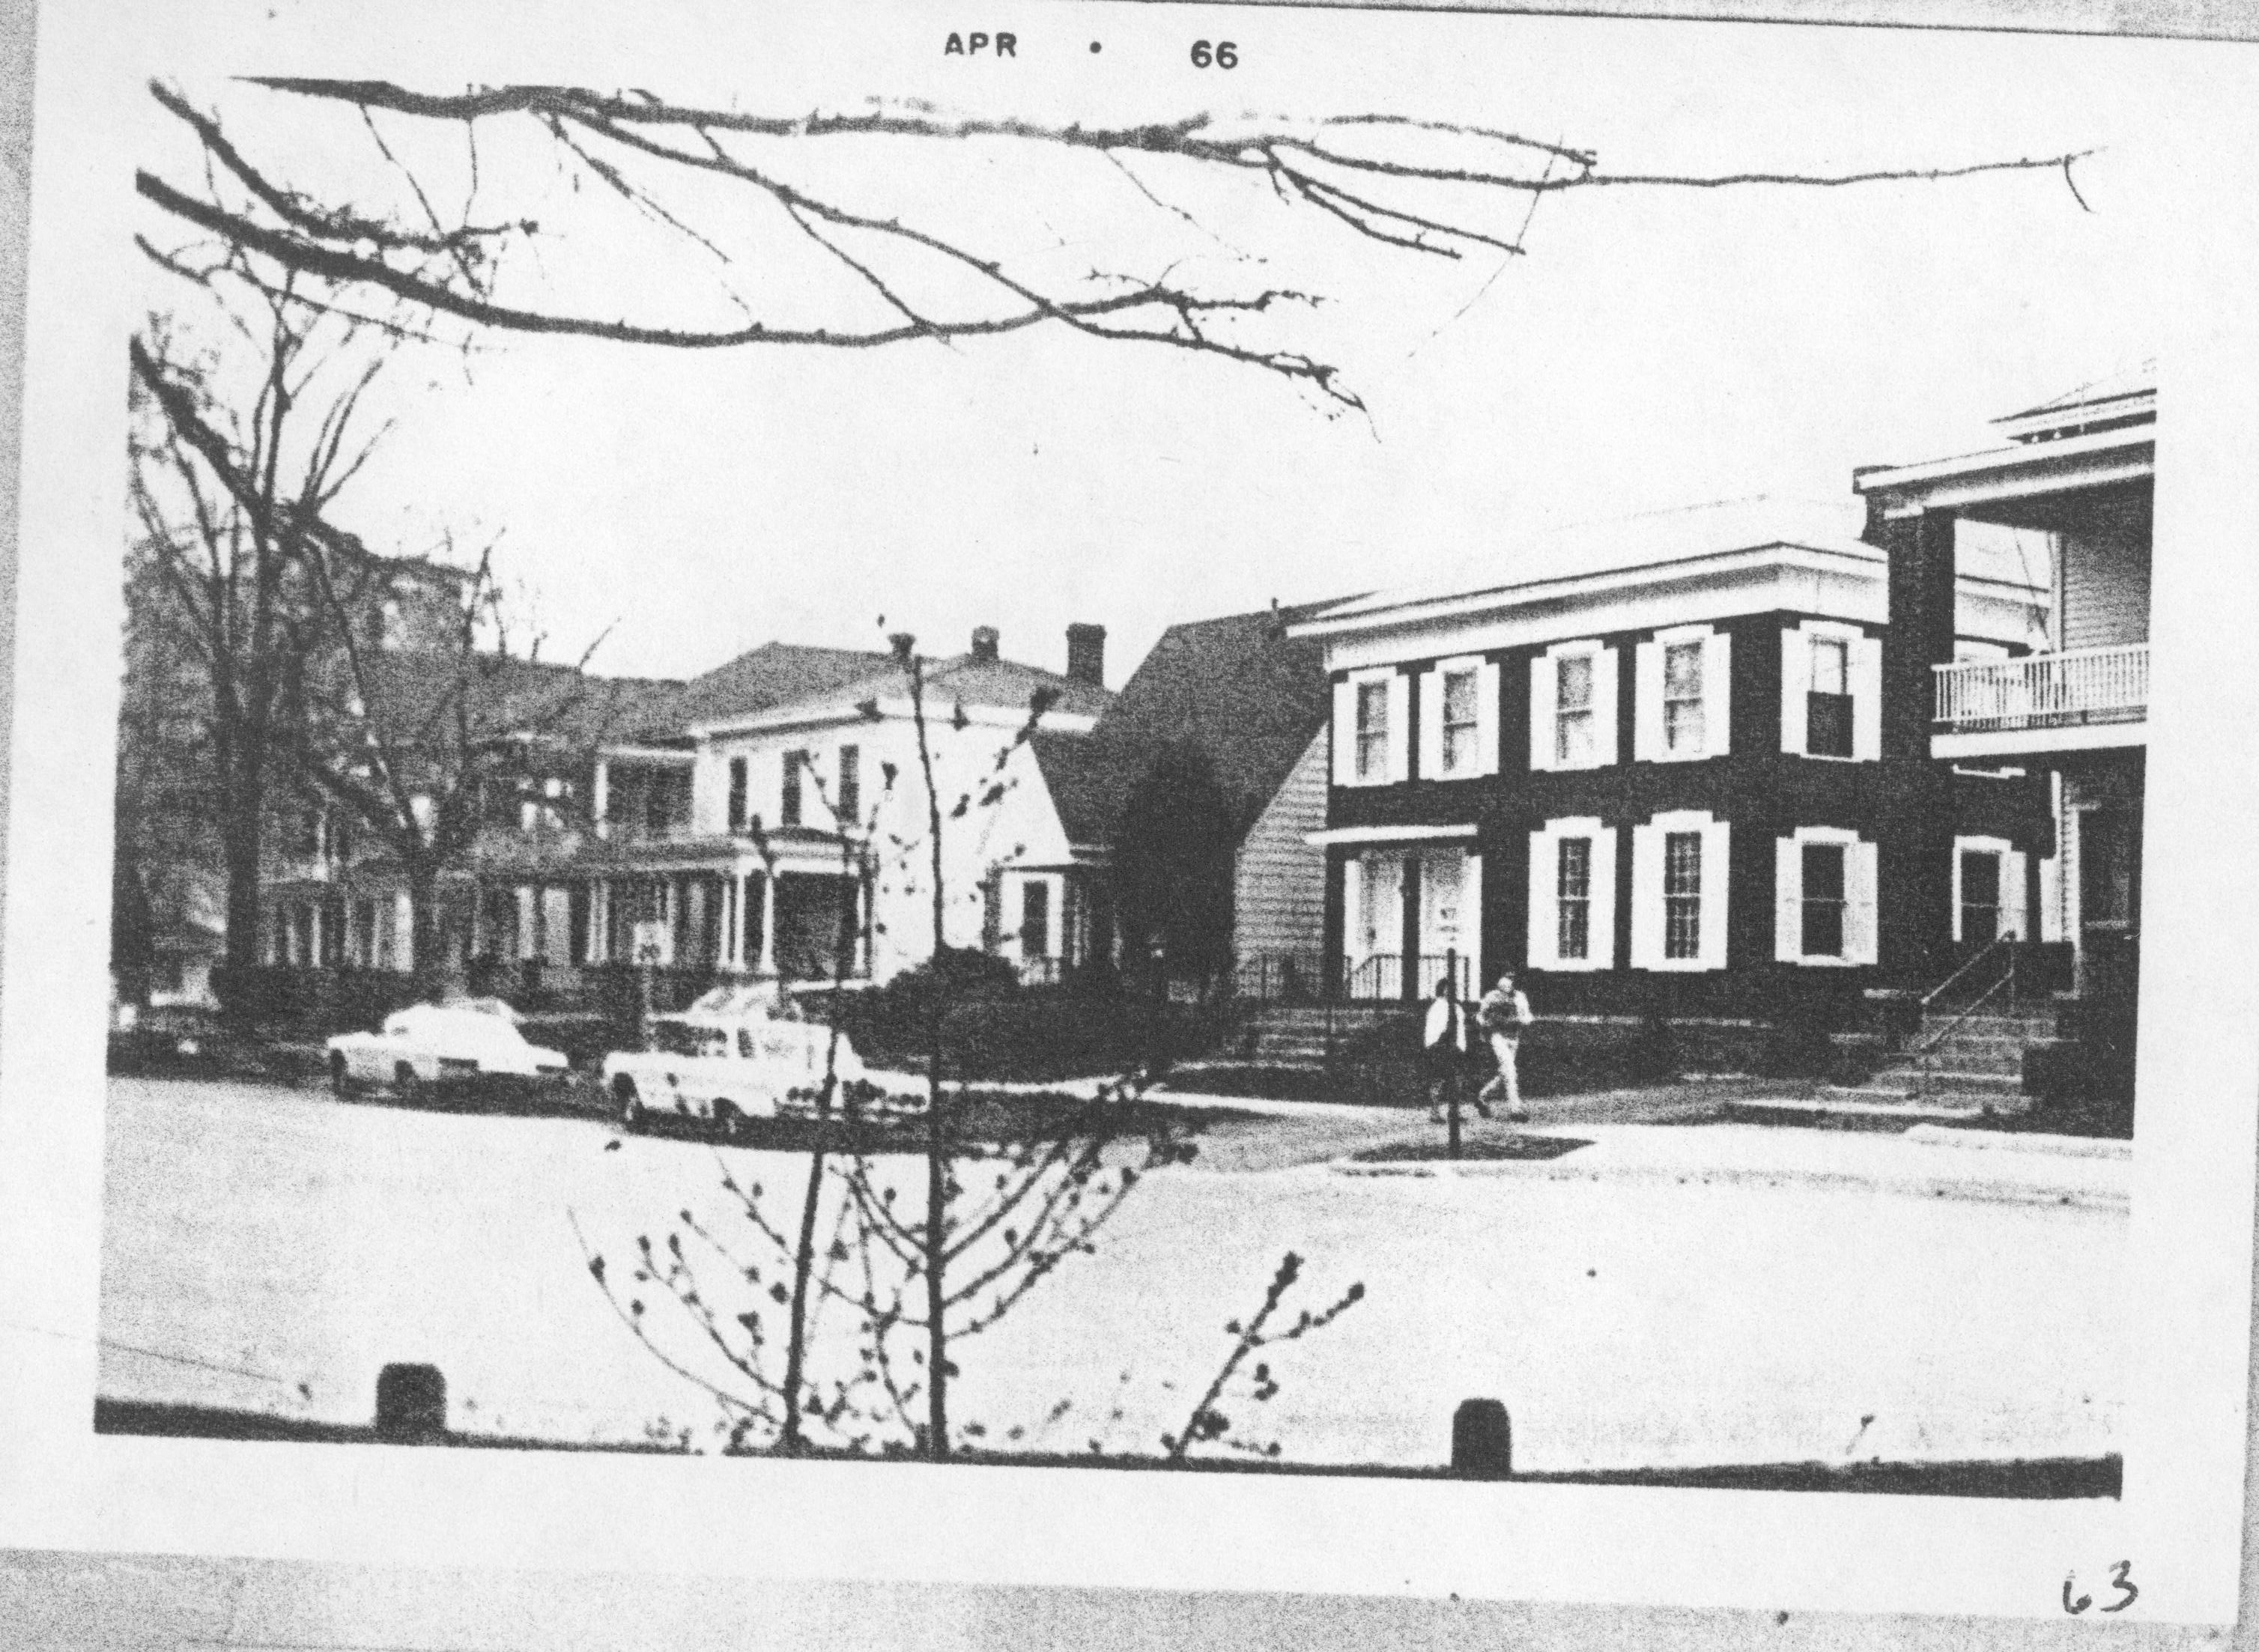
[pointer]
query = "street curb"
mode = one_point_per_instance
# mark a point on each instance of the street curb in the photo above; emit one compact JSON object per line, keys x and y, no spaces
{"x":2024,"y":1142}
{"x":1971,"y":1190}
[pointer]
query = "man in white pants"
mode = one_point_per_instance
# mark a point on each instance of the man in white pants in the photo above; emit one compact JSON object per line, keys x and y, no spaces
{"x":1503,"y":1014}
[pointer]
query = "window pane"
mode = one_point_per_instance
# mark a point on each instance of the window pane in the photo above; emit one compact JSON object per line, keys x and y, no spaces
{"x":1574,"y":885}
{"x":1458,"y":721}
{"x":1831,"y":665}
{"x":1823,"y":900}
{"x":1827,"y":724}
{"x":788,"y":804}
{"x":1682,"y":671}
{"x":1459,"y":698}
{"x":1372,"y":729}
{"x":1682,"y":696}
{"x":1980,"y":895}
{"x":1682,"y":895}
{"x":1574,"y":738}
{"x":850,"y":785}
{"x":1573,"y":681}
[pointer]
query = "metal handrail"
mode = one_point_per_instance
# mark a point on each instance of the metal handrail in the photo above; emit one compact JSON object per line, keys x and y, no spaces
{"x":1925,"y":1049}
{"x":1948,"y":984}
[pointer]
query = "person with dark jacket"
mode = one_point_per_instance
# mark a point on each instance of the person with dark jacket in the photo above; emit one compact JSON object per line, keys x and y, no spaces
{"x":1443,"y":1053}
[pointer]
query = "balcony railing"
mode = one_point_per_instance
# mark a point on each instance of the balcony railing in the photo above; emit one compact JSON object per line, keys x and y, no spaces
{"x":2045,"y":691}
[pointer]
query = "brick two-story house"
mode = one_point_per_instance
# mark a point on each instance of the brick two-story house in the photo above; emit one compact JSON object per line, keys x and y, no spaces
{"x":1644,"y":764}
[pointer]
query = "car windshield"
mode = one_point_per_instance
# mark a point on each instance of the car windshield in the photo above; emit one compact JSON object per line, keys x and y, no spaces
{"x":683,"y":1038}
{"x":454,"y":1024}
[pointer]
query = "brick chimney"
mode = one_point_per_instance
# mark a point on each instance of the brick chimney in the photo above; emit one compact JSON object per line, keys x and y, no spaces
{"x":1086,"y":653}
{"x":984,"y":644}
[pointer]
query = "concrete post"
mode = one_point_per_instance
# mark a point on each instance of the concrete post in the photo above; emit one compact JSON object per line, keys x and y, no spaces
{"x":411,"y":1404}
{"x":1482,"y":1441}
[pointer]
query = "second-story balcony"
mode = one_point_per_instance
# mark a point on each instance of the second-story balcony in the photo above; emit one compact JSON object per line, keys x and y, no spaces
{"x":2081,"y":699}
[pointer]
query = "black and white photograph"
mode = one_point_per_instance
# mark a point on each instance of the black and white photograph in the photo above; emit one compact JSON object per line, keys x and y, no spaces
{"x":1225,"y":798}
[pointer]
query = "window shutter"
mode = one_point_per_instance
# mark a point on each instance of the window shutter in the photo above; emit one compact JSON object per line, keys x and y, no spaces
{"x":1487,"y":698}
{"x":1344,"y":734}
{"x":1647,"y":707}
{"x":1717,"y":694}
{"x":1431,"y":725}
{"x":1646,"y":895}
{"x":1717,"y":877}
{"x":1860,"y":892}
{"x":1787,"y":899}
{"x":1544,"y":900}
{"x":1603,"y":898}
{"x":1605,"y":706}
{"x":1542,"y":677}
{"x":1400,"y":730}
{"x":1795,"y":683}
{"x":1867,"y":699}
{"x":2013,"y":904}
{"x":1471,"y":921}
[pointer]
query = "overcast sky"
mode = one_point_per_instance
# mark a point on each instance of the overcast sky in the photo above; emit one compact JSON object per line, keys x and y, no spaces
{"x":1656,"y":347}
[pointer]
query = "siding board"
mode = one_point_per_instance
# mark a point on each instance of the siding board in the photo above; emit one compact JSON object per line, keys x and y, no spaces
{"x":1278,"y":878}
{"x":2105,"y":590}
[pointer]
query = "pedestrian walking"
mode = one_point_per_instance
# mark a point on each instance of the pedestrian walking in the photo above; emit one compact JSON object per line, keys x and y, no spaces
{"x":1445,"y":1053}
{"x":1503,"y":1015}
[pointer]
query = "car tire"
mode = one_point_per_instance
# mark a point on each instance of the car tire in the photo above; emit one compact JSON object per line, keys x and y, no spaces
{"x":631,"y":1109}
{"x":341,"y":1076}
{"x":407,"y":1083}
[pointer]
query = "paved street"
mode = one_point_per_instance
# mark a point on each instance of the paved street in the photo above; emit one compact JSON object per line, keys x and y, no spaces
{"x":1670,"y":1294}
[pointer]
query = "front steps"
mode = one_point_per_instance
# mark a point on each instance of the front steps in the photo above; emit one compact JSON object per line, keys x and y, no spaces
{"x":1974,"y":1066}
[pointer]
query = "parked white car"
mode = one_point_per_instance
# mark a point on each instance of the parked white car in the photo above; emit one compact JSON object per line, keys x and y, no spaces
{"x":725,"y":1067}
{"x":442,"y":1044}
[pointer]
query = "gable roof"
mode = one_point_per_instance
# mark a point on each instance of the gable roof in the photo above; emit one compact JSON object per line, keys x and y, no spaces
{"x":774,"y":674}
{"x":1237,"y":689}
{"x":1081,"y":784}
{"x":414,"y":695}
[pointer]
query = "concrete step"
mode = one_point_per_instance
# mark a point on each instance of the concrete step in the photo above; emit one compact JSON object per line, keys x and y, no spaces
{"x":1965,"y":1059}
{"x":1962,"y":1078}
{"x":2021,"y":1027}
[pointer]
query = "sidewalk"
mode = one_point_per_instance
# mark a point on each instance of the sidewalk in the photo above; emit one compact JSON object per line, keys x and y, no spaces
{"x":1924,"y":1163}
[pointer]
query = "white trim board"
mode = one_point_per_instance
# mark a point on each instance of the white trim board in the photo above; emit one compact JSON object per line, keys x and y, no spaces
{"x":1387,"y":835}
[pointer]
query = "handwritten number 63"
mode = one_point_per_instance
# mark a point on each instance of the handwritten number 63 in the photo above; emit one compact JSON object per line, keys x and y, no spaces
{"x":2118,"y":1581}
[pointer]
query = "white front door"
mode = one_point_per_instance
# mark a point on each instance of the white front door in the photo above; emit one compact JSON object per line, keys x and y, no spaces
{"x":1451,"y":916}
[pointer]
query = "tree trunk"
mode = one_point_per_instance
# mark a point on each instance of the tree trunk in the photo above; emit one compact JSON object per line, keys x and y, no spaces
{"x":242,"y":823}
{"x":428,"y":961}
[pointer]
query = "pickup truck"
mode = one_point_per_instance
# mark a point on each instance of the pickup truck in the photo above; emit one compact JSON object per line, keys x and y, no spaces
{"x":725,"y":1069}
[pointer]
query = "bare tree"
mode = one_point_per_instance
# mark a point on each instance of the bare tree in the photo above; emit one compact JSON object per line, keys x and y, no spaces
{"x":226,"y":554}
{"x":427,"y":746}
{"x":743,"y":190}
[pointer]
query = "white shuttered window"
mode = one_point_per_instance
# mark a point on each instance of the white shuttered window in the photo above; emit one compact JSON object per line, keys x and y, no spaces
{"x":1572,"y":706}
{"x":1680,"y":873}
{"x":1372,"y":728}
{"x":1458,"y":720}
{"x":1683,"y":696}
{"x":1572,"y":895}
{"x":1824,"y":893}
{"x":1831,"y":692}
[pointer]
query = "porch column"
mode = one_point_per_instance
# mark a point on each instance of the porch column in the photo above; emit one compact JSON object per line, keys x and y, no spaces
{"x":404,"y":931}
{"x":600,"y":798}
{"x":1411,"y":987}
{"x":768,"y":922}
{"x":528,"y":919}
